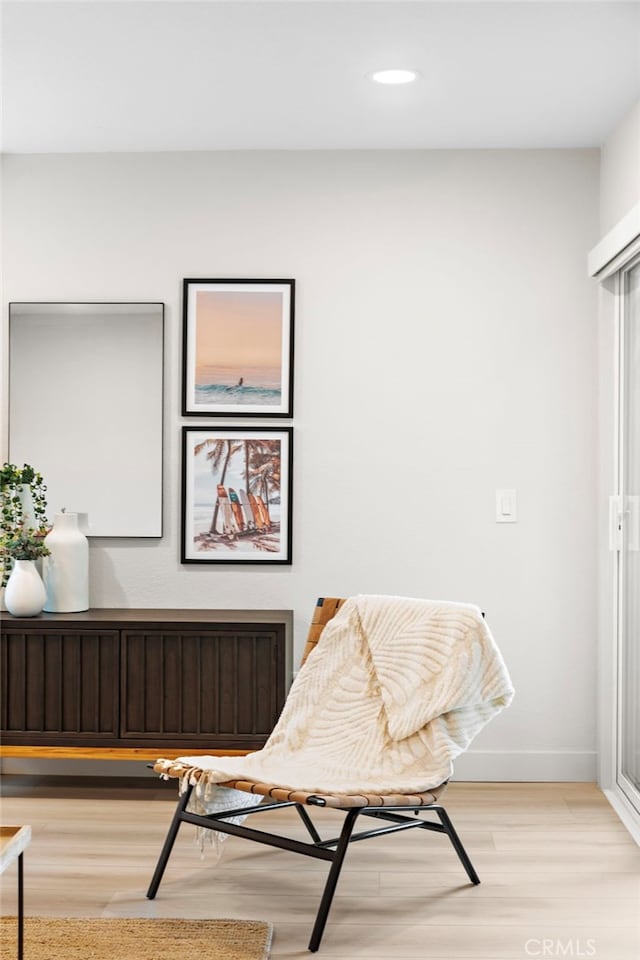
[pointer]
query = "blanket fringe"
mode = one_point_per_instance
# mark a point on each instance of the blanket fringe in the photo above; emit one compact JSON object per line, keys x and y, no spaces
{"x":208,"y":797}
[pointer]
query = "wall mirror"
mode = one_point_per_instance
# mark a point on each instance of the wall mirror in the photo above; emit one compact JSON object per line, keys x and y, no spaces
{"x":85,"y":409}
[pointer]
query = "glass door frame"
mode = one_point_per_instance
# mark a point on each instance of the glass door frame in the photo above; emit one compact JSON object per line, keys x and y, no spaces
{"x":629,"y":790}
{"x":613,"y":255}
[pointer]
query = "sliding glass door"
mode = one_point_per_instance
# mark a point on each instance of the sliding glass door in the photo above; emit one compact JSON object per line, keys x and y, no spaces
{"x":628,"y":733}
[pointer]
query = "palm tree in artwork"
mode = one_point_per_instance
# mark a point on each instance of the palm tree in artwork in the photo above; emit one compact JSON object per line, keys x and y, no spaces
{"x":219,"y":451}
{"x":247,"y":459}
{"x":265,"y":468}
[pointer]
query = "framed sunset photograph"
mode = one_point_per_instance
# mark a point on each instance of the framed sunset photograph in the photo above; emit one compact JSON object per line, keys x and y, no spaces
{"x":236,"y":495}
{"x":238,"y":348}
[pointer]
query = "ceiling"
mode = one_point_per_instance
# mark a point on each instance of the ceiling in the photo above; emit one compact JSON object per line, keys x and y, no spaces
{"x":151,"y":75}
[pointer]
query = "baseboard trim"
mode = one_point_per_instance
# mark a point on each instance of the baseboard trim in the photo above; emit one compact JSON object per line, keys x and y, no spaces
{"x":625,"y":811}
{"x":524,"y":765}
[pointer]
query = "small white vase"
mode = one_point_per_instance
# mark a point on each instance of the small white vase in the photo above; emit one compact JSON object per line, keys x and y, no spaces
{"x":24,"y":594}
{"x":66,"y":570}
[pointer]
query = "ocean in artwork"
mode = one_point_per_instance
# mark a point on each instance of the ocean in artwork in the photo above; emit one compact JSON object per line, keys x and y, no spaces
{"x":232,"y":386}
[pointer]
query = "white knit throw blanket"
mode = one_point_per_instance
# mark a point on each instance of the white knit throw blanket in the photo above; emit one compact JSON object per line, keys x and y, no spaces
{"x":394,"y":691}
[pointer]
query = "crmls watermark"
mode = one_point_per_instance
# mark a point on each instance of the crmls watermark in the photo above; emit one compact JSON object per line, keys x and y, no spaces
{"x":560,"y":948}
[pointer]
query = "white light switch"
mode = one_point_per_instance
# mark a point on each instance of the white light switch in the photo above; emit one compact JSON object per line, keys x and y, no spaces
{"x":506,"y":511}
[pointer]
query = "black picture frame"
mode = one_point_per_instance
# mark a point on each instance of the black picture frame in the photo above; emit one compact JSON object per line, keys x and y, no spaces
{"x":238,"y":348}
{"x":237,"y":485}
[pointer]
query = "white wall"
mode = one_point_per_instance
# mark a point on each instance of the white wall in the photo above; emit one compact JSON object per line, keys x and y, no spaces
{"x":620,"y":171}
{"x":445,"y":346}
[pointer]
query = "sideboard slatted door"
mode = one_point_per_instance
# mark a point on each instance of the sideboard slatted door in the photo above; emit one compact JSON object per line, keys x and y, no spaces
{"x":224,"y":686}
{"x":57,"y":684}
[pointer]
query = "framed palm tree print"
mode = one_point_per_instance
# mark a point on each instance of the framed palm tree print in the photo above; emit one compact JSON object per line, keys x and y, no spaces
{"x":238,"y":348}
{"x":236,"y":495}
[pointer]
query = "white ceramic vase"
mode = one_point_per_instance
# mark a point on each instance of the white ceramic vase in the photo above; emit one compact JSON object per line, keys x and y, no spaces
{"x":66,"y":570}
{"x":24,"y":594}
{"x":28,"y":509}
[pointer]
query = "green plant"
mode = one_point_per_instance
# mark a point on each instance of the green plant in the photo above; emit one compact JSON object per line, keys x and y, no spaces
{"x":25,"y":543}
{"x":19,"y":540}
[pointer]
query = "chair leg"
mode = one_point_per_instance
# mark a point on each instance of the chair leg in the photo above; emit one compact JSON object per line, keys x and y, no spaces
{"x":332,"y":879}
{"x":20,"y":906}
{"x":306,"y":819}
{"x":457,"y":844}
{"x":168,"y":843}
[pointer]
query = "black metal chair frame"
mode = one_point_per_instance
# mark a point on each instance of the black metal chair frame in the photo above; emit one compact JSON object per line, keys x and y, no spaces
{"x":333,"y":850}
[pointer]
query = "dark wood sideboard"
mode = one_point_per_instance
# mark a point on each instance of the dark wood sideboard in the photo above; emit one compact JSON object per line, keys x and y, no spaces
{"x":160,"y":679}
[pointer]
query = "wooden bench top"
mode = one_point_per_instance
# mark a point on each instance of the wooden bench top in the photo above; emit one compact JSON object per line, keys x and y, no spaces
{"x":13,"y":840}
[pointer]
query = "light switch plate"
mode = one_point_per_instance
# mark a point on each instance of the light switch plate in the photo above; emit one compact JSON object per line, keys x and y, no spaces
{"x":506,"y":506}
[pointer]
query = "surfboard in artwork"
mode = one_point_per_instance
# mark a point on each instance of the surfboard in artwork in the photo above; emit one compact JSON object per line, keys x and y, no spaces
{"x":226,"y":520}
{"x":236,"y":508}
{"x":249,"y":519}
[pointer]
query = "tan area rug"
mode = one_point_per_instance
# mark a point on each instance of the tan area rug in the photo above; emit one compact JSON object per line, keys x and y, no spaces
{"x":47,"y":938}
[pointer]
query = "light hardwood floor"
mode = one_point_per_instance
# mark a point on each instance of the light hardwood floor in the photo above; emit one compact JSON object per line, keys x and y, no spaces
{"x":560,"y":874}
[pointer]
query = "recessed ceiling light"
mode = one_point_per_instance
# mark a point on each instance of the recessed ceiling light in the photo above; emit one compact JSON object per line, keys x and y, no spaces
{"x":395,"y":76}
